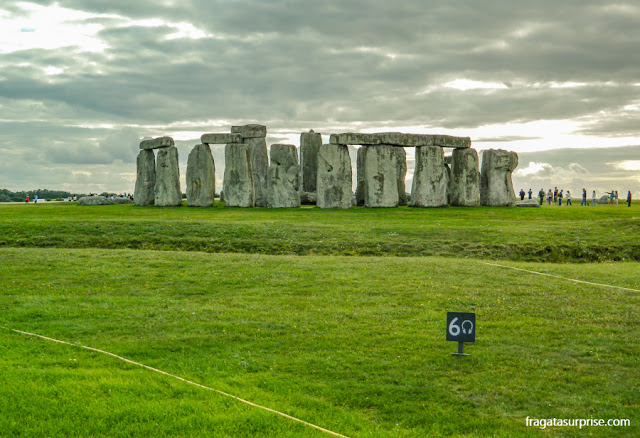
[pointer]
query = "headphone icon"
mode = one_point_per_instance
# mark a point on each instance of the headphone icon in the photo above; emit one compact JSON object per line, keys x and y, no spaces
{"x":469,"y":329}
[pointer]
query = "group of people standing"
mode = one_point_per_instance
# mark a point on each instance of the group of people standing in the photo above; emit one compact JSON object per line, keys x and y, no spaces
{"x":556,"y":196}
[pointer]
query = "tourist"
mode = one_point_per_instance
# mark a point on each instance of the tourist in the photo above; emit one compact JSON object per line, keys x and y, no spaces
{"x":584,"y":198}
{"x":550,"y":197}
{"x":568,"y":197}
{"x":594,"y":202}
{"x":27,"y":200}
{"x":35,"y":199}
{"x":616,"y":198}
{"x":612,"y":195}
{"x":530,"y":193}
{"x":555,"y":195}
{"x":629,"y":198}
{"x":521,"y":194}
{"x":541,"y":196}
{"x":560,"y":199}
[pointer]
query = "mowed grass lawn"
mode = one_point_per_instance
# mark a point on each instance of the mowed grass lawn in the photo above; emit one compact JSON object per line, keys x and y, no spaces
{"x":557,"y":234}
{"x":353,"y":344}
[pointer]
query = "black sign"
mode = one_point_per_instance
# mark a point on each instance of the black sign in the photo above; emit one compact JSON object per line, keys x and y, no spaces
{"x":461,"y":327}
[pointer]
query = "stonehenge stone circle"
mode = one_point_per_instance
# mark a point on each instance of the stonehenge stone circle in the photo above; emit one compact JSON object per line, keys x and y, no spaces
{"x":380,"y":176}
{"x":464,"y":183}
{"x":334,"y":177}
{"x":430,"y":179}
{"x":102,"y":200}
{"x":144,"y":193}
{"x":201,"y":177}
{"x":167,"y":187}
{"x":157,"y":143}
{"x":254,"y":137}
{"x":496,"y":187}
{"x":238,"y":176}
{"x":310,"y":143}
{"x":283,"y":177}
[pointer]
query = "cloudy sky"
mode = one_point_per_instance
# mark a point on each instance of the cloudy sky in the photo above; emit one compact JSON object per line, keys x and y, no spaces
{"x":83,"y":81}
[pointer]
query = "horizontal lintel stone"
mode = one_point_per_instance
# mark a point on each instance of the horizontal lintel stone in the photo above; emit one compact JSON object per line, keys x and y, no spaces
{"x":399,"y":139}
{"x":250,"y":131}
{"x":221,"y":138}
{"x":156,"y":143}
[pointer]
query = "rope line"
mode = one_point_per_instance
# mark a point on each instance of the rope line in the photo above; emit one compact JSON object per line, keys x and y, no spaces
{"x":562,"y":278}
{"x":124,"y":359}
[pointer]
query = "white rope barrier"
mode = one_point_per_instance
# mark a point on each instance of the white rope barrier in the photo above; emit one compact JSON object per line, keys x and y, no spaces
{"x":282,"y":414}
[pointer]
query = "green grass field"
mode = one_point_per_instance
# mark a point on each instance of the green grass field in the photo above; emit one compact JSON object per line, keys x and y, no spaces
{"x":350,"y":336}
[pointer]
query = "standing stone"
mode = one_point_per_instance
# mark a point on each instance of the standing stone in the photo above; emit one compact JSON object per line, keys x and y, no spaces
{"x":310,"y":143}
{"x":146,"y":178}
{"x":167,"y":187}
{"x":254,"y":138}
{"x":380,"y":176}
{"x":464,"y":185}
{"x":401,"y":169}
{"x":496,"y":187}
{"x":201,"y":177}
{"x":334,"y":177}
{"x":430,"y":179}
{"x":283,"y":177}
{"x":238,"y":182}
{"x":360,"y":176}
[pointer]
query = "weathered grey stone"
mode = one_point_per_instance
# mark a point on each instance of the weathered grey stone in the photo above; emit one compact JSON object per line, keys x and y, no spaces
{"x":334,"y":177}
{"x":381,"y":138}
{"x":283,"y":180}
{"x":528,"y":203}
{"x":604,"y":200}
{"x":102,"y":200}
{"x":167,"y":188}
{"x":145,"y":179}
{"x":449,"y":141}
{"x":401,"y":170}
{"x":430,"y":178}
{"x":400,"y":139}
{"x":250,"y":131}
{"x":496,"y":187}
{"x":201,"y":177}
{"x":238,"y":177}
{"x":157,"y":143}
{"x":310,"y":143}
{"x":464,"y":185}
{"x":308,"y":198}
{"x":220,"y":138}
{"x":380,"y":176}
{"x":259,"y":166}
{"x":360,"y":176}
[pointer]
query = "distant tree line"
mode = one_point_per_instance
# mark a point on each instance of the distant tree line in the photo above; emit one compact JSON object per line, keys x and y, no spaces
{"x":9,"y":196}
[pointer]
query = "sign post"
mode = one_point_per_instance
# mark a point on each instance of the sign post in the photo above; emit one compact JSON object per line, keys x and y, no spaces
{"x":461,"y":328}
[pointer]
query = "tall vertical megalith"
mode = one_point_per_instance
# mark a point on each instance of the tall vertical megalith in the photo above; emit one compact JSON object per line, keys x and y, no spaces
{"x":401,"y":171}
{"x":254,"y":138}
{"x":430,"y":178}
{"x":238,"y":184}
{"x":310,"y":143}
{"x":360,"y":176}
{"x":201,"y":177}
{"x":283,"y":177}
{"x":167,"y":187}
{"x":146,"y":178}
{"x":496,"y":187}
{"x":334,"y":177}
{"x":380,"y":164}
{"x":464,"y":185}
